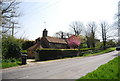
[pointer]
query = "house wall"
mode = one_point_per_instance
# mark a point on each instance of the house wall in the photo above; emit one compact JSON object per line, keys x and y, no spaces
{"x":31,"y":54}
{"x":44,"y":43}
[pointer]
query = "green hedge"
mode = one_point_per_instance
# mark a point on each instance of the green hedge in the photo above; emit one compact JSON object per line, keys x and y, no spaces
{"x":26,"y":44}
{"x":47,"y":54}
{"x":83,"y":49}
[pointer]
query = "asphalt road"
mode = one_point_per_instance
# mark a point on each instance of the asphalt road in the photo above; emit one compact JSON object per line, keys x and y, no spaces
{"x":72,"y":68}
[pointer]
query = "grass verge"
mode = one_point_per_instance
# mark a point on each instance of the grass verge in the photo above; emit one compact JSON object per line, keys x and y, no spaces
{"x":106,"y":71}
{"x":6,"y":63}
{"x":100,"y":52}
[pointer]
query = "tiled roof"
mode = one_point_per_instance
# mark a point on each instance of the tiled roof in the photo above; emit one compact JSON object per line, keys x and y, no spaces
{"x":34,"y":47}
{"x":56,"y":40}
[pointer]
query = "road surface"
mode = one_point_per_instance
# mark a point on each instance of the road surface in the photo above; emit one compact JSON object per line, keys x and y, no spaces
{"x":72,"y":68}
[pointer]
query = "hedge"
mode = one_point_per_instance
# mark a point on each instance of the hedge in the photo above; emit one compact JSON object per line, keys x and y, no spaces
{"x":47,"y":54}
{"x":26,"y":44}
{"x":10,"y":47}
{"x":83,"y":49}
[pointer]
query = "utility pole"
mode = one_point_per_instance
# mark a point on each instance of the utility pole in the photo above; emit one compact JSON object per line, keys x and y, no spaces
{"x":13,"y":26}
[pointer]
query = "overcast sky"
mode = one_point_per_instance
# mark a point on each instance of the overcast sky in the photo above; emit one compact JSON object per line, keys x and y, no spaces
{"x":58,"y":14}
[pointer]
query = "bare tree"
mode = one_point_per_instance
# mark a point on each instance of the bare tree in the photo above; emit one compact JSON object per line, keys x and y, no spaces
{"x":67,"y":35}
{"x":77,"y":27}
{"x":9,"y":15}
{"x":105,"y":27}
{"x":87,"y":38}
{"x":62,"y":34}
{"x":92,"y":27}
{"x":90,"y":34}
{"x":59,"y":34}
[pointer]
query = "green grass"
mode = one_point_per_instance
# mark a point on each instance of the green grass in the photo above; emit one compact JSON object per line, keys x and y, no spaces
{"x":100,"y":52}
{"x":106,"y":71}
{"x":6,"y":63}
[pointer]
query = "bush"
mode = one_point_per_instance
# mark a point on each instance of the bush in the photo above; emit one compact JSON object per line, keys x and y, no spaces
{"x":24,"y":51}
{"x":26,"y":44}
{"x":46,"y":54}
{"x":111,"y":43}
{"x":10,"y":47}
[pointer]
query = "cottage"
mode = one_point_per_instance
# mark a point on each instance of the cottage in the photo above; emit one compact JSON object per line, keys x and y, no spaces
{"x":47,"y":42}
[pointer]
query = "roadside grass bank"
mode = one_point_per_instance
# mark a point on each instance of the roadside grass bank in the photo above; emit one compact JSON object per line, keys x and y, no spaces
{"x":6,"y":63}
{"x":100,"y":52}
{"x":106,"y":71}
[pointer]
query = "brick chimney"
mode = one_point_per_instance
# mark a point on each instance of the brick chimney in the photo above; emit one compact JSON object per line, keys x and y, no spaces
{"x":62,"y":35}
{"x":45,"y":33}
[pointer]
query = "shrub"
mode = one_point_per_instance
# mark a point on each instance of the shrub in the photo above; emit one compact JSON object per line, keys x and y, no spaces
{"x":83,"y":45}
{"x":26,"y":44}
{"x":10,"y":47}
{"x":99,"y":44}
{"x":24,"y":51}
{"x":46,"y":54}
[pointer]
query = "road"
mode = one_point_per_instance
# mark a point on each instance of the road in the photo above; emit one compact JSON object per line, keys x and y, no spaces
{"x":72,"y":68}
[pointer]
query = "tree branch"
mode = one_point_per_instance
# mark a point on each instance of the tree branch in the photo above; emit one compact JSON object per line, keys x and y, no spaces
{"x":5,"y":10}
